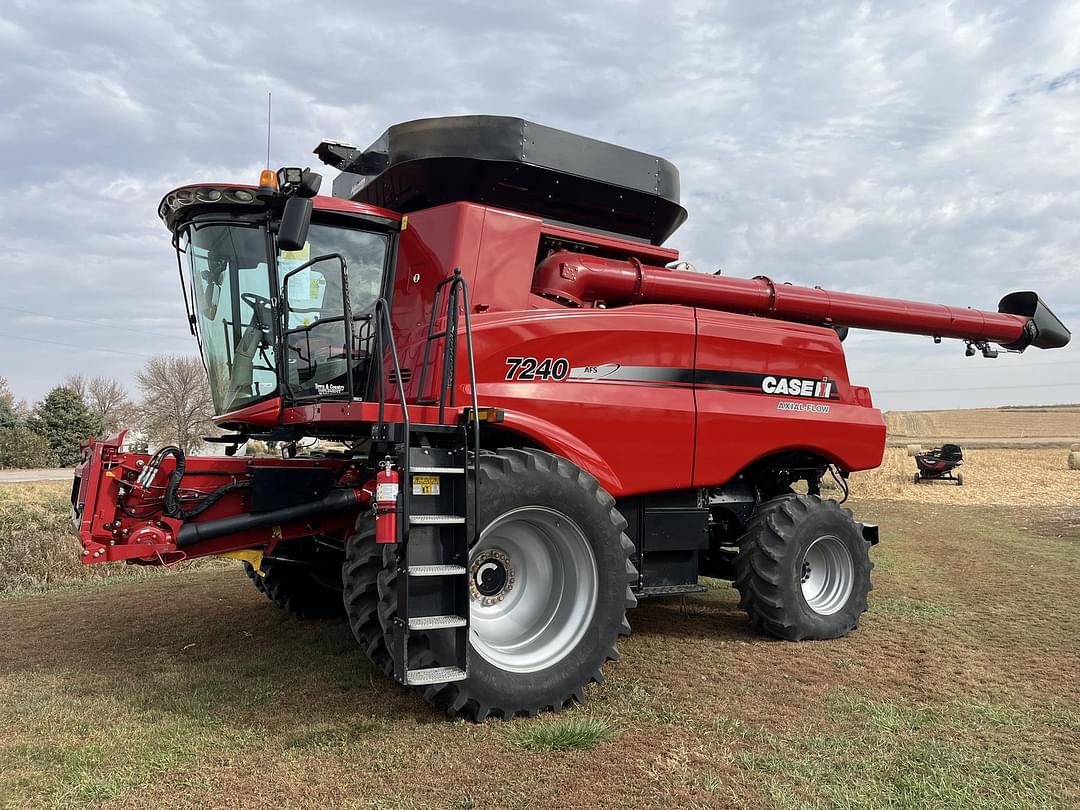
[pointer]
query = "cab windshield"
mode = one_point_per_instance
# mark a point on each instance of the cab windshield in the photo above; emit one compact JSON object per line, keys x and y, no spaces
{"x":254,"y":341}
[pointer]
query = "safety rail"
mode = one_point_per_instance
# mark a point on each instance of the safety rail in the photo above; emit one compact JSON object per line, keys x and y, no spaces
{"x":455,"y":287}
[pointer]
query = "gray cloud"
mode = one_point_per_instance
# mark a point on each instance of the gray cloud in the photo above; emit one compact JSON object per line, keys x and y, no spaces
{"x":929,"y":153}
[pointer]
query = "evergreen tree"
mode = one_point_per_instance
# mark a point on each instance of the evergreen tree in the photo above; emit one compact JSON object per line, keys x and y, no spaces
{"x":9,"y":417}
{"x":64,"y":421}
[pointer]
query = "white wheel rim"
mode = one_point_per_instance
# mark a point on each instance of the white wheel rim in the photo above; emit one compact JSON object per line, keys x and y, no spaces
{"x":827,"y":575}
{"x":533,"y":589}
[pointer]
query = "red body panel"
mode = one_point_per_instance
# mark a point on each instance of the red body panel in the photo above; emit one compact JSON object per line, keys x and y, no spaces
{"x":635,"y":434}
{"x":735,"y":429}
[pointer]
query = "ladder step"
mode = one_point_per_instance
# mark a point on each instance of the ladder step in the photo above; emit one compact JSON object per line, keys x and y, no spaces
{"x":435,"y":570}
{"x":435,"y":520}
{"x":423,"y":677}
{"x":435,"y":622}
{"x":437,"y":471}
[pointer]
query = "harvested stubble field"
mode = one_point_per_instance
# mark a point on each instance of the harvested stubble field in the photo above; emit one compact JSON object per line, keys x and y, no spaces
{"x":1007,"y":477}
{"x":1045,"y":426}
{"x":190,"y":689}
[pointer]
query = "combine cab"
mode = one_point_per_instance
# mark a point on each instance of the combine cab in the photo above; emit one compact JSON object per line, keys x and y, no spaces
{"x":542,"y":422}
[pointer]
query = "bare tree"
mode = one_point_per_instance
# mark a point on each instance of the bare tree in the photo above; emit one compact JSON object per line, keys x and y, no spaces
{"x":108,"y":399}
{"x":77,"y":383}
{"x":176,"y":407}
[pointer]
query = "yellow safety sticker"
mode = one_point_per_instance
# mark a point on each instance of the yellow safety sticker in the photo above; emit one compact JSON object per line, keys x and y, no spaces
{"x":298,"y":256}
{"x":425,"y":485}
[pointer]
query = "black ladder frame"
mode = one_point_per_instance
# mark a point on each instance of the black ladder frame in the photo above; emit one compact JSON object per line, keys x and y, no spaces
{"x":433,"y":546}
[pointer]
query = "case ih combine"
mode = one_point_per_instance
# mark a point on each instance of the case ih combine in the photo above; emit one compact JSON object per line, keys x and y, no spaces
{"x":543,"y":422}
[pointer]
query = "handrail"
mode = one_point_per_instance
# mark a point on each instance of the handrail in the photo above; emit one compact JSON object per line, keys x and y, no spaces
{"x":382,"y":319}
{"x":475,"y":408}
{"x":457,"y":286}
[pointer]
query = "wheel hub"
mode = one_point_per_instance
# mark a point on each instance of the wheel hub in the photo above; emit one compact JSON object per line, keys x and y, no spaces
{"x":827,"y":575}
{"x":491,"y":577}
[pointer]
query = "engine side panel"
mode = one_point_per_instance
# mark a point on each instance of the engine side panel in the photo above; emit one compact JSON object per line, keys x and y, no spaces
{"x":764,"y":386}
{"x":578,"y":382}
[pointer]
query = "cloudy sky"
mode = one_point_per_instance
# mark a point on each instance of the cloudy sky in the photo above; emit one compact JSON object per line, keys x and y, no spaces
{"x":925,"y":151}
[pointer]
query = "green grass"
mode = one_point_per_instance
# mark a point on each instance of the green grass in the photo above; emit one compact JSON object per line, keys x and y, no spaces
{"x":572,"y":733}
{"x":885,"y":754}
{"x":887,"y":607}
{"x":91,"y":749}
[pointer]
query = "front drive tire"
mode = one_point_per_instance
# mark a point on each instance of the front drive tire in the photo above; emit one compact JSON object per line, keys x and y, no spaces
{"x":803,"y":569}
{"x":360,"y":590}
{"x":553,"y":548}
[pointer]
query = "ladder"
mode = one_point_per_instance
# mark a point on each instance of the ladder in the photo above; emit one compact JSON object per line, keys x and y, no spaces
{"x":437,"y":506}
{"x":432,"y":574}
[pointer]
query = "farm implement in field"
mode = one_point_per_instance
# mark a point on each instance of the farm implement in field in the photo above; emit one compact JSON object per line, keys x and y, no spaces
{"x":543,"y":419}
{"x":940,"y":464}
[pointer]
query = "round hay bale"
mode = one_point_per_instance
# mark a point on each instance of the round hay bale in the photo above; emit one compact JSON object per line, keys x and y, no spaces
{"x":1075,"y":448}
{"x":828,"y":484}
{"x":914,"y":450}
{"x":1074,"y":460}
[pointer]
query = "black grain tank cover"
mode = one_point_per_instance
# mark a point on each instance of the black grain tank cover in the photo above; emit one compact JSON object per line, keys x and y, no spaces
{"x":518,"y":165}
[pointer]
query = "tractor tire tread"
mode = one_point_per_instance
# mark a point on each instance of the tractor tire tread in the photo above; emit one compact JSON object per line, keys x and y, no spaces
{"x":765,"y":590}
{"x":457,"y":698}
{"x":360,"y":581}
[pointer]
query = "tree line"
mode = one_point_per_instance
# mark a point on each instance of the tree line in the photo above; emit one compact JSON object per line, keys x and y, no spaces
{"x":173,"y":406}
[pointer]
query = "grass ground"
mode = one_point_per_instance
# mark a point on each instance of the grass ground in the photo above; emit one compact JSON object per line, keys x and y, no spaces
{"x":192,"y":690}
{"x":38,"y":550}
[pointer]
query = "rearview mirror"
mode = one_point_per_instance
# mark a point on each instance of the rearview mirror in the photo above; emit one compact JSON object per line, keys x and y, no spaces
{"x":295,"y":219}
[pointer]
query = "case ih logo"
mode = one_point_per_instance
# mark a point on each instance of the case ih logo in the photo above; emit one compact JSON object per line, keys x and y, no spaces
{"x":798,"y":387}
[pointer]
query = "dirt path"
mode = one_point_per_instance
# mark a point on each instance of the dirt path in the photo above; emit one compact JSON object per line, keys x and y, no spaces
{"x":17,"y":476}
{"x":192,"y":690}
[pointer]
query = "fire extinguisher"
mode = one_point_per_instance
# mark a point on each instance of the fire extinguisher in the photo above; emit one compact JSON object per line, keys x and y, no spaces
{"x":386,"y":503}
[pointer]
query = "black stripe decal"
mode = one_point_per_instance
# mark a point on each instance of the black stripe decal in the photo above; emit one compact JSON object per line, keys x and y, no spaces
{"x":736,"y":381}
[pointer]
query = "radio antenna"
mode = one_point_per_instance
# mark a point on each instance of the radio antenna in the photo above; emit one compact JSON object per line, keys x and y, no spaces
{"x":269,"y":96}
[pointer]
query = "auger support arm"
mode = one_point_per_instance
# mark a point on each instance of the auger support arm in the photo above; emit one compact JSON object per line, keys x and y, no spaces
{"x":580,"y":280}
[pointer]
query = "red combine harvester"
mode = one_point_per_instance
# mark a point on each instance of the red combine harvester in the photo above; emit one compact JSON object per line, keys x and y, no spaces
{"x":543,"y":421}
